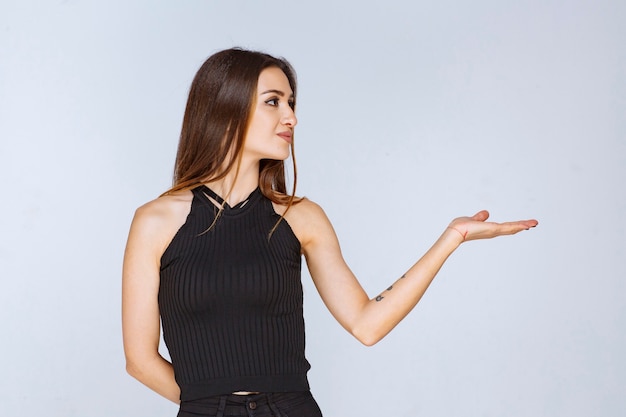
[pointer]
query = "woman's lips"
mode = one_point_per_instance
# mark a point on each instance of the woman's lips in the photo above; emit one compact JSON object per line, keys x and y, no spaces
{"x":286,"y":135}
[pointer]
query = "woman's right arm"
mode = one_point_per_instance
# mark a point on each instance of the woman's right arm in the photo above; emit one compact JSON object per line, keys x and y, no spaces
{"x":140,"y":310}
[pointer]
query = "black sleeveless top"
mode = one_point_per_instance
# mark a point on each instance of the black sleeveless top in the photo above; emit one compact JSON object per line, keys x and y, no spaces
{"x":231,"y":299}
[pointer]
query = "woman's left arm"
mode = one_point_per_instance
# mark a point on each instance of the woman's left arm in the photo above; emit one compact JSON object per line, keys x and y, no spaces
{"x":369,"y":320}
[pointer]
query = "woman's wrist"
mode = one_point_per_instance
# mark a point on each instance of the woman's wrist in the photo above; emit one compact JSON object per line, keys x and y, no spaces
{"x":462,"y":234}
{"x":454,"y":235}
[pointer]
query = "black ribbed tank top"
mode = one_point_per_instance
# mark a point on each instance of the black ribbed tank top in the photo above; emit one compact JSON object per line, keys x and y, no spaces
{"x":231,"y":300}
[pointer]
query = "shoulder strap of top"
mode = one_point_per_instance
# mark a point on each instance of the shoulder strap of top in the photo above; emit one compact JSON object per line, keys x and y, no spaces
{"x":215,"y":199}
{"x":207,"y":192}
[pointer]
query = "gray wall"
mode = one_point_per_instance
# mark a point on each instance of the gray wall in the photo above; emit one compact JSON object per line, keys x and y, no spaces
{"x":411,"y":113}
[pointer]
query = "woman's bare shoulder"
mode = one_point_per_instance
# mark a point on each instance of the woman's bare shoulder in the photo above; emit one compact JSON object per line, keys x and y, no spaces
{"x":306,"y":218}
{"x":302,"y":210}
{"x":159,"y":219}
{"x":165,"y":206}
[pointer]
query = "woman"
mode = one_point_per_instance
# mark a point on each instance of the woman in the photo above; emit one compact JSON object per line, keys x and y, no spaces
{"x":216,"y":259}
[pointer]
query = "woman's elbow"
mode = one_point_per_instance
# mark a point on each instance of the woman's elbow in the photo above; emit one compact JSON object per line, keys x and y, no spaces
{"x":136,"y":366}
{"x":132,"y":368}
{"x":367,"y":337}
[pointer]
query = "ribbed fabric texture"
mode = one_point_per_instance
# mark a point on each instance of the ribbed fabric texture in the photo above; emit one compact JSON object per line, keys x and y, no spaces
{"x":231,"y":300}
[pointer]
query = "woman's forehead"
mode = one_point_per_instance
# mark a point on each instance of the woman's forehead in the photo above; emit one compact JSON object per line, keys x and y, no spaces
{"x":273,"y":79}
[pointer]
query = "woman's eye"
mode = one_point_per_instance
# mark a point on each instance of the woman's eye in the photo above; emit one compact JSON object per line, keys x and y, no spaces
{"x":272,"y":102}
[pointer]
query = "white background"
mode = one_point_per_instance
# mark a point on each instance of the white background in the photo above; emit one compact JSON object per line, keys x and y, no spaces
{"x":411,"y":113}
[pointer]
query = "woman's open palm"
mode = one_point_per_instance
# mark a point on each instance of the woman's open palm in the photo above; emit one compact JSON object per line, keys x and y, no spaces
{"x":476,"y":226}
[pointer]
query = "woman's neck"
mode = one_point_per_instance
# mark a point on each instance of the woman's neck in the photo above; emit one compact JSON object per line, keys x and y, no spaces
{"x":235,"y":187}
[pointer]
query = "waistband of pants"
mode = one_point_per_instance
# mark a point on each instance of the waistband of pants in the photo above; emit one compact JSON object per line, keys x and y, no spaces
{"x":225,"y":404}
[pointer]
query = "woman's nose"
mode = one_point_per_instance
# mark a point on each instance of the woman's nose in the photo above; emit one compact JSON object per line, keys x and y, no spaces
{"x":289,"y":118}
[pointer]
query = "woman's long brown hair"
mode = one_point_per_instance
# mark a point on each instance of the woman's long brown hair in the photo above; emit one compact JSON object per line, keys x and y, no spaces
{"x":220,"y":103}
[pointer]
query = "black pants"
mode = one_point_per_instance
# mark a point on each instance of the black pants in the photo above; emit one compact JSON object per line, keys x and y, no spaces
{"x":277,"y":404}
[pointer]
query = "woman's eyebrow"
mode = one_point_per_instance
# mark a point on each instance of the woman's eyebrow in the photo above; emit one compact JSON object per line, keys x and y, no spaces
{"x":278,"y":92}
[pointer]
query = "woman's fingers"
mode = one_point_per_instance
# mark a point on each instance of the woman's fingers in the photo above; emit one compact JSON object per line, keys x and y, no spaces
{"x":476,"y":227}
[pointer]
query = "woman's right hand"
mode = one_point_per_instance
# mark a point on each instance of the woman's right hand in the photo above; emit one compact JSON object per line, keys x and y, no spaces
{"x":476,"y":227}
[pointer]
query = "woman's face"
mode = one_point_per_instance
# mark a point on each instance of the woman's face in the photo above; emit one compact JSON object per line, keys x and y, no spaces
{"x":270,"y":131}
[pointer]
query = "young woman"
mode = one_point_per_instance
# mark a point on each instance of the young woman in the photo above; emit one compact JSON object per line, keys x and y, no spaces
{"x":216,"y":259}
